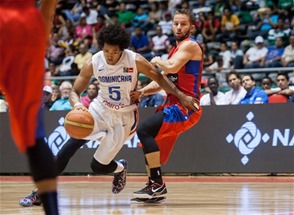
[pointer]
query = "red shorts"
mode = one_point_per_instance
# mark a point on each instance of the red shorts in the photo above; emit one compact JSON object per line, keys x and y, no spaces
{"x":22,"y":51}
{"x":174,"y":123}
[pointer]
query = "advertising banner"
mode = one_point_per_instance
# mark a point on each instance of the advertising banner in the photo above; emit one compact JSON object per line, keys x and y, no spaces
{"x":227,"y":139}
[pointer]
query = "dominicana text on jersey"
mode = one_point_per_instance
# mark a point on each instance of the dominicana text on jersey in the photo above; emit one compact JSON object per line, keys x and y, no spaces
{"x":116,"y":81}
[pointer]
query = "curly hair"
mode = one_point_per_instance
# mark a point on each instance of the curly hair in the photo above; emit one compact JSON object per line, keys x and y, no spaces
{"x":114,"y":35}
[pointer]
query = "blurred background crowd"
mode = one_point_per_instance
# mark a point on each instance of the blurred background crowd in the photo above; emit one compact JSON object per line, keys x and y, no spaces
{"x":253,"y":37}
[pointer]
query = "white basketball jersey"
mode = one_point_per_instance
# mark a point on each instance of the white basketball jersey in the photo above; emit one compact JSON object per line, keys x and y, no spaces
{"x":116,"y":81}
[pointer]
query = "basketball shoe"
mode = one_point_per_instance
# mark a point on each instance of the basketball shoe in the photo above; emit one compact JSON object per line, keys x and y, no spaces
{"x":30,"y":200}
{"x":156,"y":200}
{"x":119,"y":179}
{"x":152,"y":190}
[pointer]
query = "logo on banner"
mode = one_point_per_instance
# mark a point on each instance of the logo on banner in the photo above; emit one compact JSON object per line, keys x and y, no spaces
{"x":247,"y":138}
{"x":58,"y":138}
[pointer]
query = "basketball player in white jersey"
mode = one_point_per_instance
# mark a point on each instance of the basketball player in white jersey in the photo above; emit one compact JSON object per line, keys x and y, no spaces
{"x":116,"y":118}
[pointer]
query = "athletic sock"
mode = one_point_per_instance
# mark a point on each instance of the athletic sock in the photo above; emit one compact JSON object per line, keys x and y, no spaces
{"x":50,"y":204}
{"x":156,"y":175}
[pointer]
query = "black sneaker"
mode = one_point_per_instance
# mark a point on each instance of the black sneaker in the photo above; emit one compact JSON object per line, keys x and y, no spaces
{"x":152,"y":190}
{"x":30,"y":200}
{"x":119,"y":180}
{"x":155,"y":200}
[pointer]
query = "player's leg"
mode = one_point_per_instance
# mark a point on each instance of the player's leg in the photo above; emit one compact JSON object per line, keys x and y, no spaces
{"x":44,"y":169}
{"x":67,"y":151}
{"x":147,"y":131}
{"x":62,"y":159}
{"x":117,"y":132}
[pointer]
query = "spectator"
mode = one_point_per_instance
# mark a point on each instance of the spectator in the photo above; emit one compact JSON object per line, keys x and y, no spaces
{"x":159,"y":43}
{"x":55,"y":93}
{"x":201,"y":7}
{"x":199,"y":24}
{"x":184,"y":4}
{"x":210,"y":28}
{"x":288,"y":55}
{"x":140,"y":44}
{"x":283,"y":88}
{"x":237,"y":91}
{"x":114,"y":21}
{"x":253,"y":95}
{"x":141,"y":19}
{"x":101,"y":23}
{"x":74,"y":13}
{"x":55,"y":52}
{"x":67,"y":42}
{"x":90,"y":14}
{"x":217,"y":66}
{"x":66,"y":29}
{"x":83,"y":56}
{"x":125,"y":17}
{"x":98,"y":26}
{"x":47,"y":97}
{"x":166,"y":24}
{"x":274,"y":54}
{"x":285,"y":8}
{"x":266,"y":83}
{"x":58,"y":20}
{"x":213,"y":96}
{"x":63,"y":102}
{"x":280,"y":31}
{"x":83,"y":31}
{"x":266,"y":21}
{"x":207,"y":56}
{"x":255,"y":56}
{"x":163,"y":7}
{"x":229,"y":26}
{"x":218,"y":8}
{"x":236,"y":56}
{"x":225,"y":53}
{"x":111,"y":6}
{"x":154,"y":13}
{"x":92,"y":93}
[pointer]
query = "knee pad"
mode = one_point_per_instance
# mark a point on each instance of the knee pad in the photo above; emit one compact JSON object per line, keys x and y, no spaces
{"x":99,"y":168}
{"x":41,"y":161}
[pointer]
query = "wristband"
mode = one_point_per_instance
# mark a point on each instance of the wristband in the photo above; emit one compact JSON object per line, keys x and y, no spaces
{"x":78,"y":104}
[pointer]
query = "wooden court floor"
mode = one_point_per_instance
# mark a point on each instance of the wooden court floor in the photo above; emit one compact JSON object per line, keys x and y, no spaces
{"x":187,"y":195}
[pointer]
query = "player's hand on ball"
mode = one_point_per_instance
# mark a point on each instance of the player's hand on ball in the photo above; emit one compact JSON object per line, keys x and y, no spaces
{"x":80,"y":106}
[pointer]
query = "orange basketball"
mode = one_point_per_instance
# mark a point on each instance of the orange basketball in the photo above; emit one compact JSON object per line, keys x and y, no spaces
{"x":79,"y":124}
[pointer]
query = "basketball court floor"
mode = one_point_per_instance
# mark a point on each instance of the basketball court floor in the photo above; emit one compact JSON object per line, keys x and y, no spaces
{"x":187,"y":195}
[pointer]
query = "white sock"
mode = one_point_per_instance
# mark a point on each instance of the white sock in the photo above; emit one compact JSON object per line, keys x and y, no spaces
{"x":119,"y":167}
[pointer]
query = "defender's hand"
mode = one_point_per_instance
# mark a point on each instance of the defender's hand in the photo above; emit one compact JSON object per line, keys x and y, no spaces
{"x":136,"y":96}
{"x":189,"y":102}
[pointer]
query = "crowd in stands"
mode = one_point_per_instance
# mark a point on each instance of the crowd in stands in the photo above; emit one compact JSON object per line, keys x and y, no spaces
{"x":235,"y":34}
